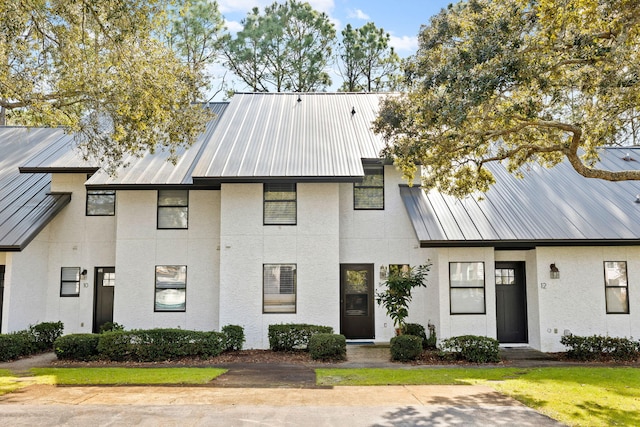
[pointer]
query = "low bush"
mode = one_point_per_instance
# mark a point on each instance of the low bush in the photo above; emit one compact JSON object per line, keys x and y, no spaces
{"x":153,"y":345}
{"x":406,"y":347}
{"x":111,"y":326}
{"x":82,"y":347}
{"x":44,"y":334}
{"x":289,"y":337}
{"x":328,"y":347}
{"x":472,"y":348}
{"x":415,"y":329}
{"x":16,"y":345}
{"x":234,"y":337}
{"x":598,"y":347}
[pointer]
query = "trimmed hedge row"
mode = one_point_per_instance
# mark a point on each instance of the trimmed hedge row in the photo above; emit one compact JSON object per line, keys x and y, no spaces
{"x":406,"y":347}
{"x":328,"y":347}
{"x":294,"y":336}
{"x":598,"y":347}
{"x":36,"y":339}
{"x":151,"y":345}
{"x":472,"y":348}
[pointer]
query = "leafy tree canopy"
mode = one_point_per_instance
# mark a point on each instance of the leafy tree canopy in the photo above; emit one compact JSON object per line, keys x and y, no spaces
{"x":517,"y":81}
{"x":101,"y":70}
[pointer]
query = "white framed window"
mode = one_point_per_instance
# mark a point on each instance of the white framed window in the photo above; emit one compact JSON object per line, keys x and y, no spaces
{"x":616,"y":287}
{"x":171,"y":288}
{"x":173,"y":209}
{"x":279,"y":288}
{"x":369,"y":194}
{"x":280,"y":204}
{"x":101,"y":203}
{"x":70,"y":281}
{"x":466,"y":288}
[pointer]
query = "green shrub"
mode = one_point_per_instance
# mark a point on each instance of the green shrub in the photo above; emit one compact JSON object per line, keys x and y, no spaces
{"x":431,"y":343}
{"x":16,"y":345}
{"x":292,"y":336}
{"x":154,"y":345}
{"x":82,"y":347}
{"x":44,"y":334}
{"x":328,"y":347}
{"x":406,"y":347}
{"x":416,"y":330}
{"x":234,"y":337}
{"x":111,"y":326}
{"x":472,"y":348}
{"x":598,"y":347}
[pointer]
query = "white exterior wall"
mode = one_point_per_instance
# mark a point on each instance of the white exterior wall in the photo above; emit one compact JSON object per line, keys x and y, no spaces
{"x":140,"y":246}
{"x":246,"y":244}
{"x":383,"y":237}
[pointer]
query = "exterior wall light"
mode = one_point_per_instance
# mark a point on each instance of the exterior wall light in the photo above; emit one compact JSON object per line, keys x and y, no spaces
{"x":83,"y":273}
{"x":383,"y":272}
{"x":554,"y":273}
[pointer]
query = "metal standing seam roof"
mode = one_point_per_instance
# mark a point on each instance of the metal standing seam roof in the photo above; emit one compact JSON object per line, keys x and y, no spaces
{"x":26,"y":204}
{"x":549,"y":206}
{"x":266,"y":136}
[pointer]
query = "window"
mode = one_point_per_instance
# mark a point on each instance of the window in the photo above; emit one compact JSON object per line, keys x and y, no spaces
{"x":173,"y":209}
{"x":171,"y":288}
{"x":101,"y":202}
{"x":70,"y":282}
{"x":616,"y":289}
{"x":369,"y":194}
{"x":279,"y":288}
{"x":280,"y":204}
{"x":466,"y":281}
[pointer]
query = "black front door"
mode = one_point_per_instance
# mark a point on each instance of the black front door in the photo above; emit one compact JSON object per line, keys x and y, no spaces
{"x":511,"y":302}
{"x":105,"y":280}
{"x":1,"y":292}
{"x":356,"y":301}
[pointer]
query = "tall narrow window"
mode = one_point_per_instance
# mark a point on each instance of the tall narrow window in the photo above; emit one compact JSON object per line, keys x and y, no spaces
{"x":173,"y":209}
{"x":280,"y":204}
{"x":466,"y":280}
{"x":70,"y":281}
{"x":369,"y":194}
{"x":171,"y":288}
{"x":101,"y":202}
{"x":616,"y":288}
{"x":279,"y":288}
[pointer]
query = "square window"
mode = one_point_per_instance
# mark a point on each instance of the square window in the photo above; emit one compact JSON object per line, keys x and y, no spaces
{"x":467,"y":293}
{"x":70,"y":281}
{"x":173,"y":209}
{"x":101,"y":202}
{"x":369,"y":194}
{"x":171,"y":288}
{"x":279,"y":288}
{"x":280,"y":205}
{"x":616,"y":287}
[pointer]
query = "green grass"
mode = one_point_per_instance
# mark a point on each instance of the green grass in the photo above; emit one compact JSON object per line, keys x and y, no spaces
{"x":128,"y":376}
{"x":576,"y":396}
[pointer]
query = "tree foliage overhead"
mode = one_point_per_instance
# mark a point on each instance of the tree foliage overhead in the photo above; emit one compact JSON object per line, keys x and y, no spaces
{"x":517,"y":81}
{"x":286,"y":48}
{"x":100,"y":69}
{"x":367,"y":62}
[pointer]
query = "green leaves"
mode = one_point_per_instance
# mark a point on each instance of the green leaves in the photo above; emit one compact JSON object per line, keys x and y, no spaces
{"x":519,"y":82}
{"x":396,"y":295}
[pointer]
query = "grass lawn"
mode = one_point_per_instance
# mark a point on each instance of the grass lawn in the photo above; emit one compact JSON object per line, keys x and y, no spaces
{"x":577,"y":396}
{"x":128,"y":376}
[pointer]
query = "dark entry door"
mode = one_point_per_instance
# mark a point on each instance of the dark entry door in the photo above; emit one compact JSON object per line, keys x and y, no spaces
{"x":105,"y":280}
{"x":1,"y":292}
{"x":511,"y":302}
{"x":356,"y":301}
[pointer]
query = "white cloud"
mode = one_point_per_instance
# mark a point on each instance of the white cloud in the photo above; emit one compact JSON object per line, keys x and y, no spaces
{"x":404,"y":44}
{"x":357,"y":14}
{"x":241,"y":6}
{"x":233,"y":26}
{"x":325,"y":6}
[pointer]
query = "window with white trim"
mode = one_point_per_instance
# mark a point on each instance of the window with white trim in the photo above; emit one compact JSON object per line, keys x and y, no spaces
{"x":369,"y":194}
{"x":173,"y":209}
{"x":466,"y":287}
{"x":616,"y":287}
{"x":171,"y":288}
{"x":279,"y":288}
{"x":101,"y":202}
{"x":280,"y":204}
{"x":70,"y":281}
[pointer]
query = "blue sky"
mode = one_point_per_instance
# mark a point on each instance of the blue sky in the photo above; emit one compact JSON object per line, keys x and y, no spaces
{"x":400,"y":18}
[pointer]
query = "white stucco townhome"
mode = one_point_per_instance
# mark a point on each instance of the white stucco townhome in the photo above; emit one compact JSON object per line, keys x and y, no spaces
{"x":283,"y":212}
